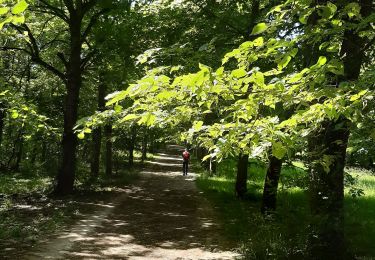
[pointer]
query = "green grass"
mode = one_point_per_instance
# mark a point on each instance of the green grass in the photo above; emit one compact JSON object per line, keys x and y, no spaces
{"x":19,"y":184}
{"x":284,"y":236}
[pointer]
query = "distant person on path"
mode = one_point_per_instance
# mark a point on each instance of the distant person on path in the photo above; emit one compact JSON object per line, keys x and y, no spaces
{"x":185,"y":163}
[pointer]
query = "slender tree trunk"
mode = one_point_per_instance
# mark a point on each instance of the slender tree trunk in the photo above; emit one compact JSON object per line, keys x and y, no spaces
{"x":132,"y":145}
{"x":97,"y":135}
{"x":109,"y":151}
{"x":152,"y":141}
{"x":270,"y":186}
{"x":14,"y":154}
{"x":34,"y":154}
{"x":144,"y":145}
{"x":241,"y":180}
{"x":66,"y":175}
{"x":213,"y":166}
{"x":2,"y":118}
{"x":44,"y":152}
{"x":19,"y":152}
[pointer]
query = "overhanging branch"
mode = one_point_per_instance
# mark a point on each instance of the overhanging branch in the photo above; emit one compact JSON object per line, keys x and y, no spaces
{"x":94,"y":19}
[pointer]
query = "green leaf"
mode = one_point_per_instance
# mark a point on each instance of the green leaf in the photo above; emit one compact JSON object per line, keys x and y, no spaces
{"x":116,"y":97}
{"x":258,"y":42}
{"x":4,"y":10}
{"x":278,"y":150}
{"x":197,"y":125}
{"x":81,"y":135}
{"x":15,"y":114}
{"x":165,"y":95}
{"x":305,"y":16}
{"x":358,"y":96}
{"x":259,"y":28}
{"x":353,"y":9}
{"x":220,"y":71}
{"x":206,"y":157}
{"x":118,"y":108}
{"x":87,"y":131}
{"x":284,"y":62}
{"x":321,"y":61}
{"x":148,"y":119}
{"x":336,"y":67}
{"x":128,"y":118}
{"x":239,"y":73}
{"x":18,"y":19}
{"x":259,"y":78}
{"x":20,"y":7}
{"x":327,"y":11}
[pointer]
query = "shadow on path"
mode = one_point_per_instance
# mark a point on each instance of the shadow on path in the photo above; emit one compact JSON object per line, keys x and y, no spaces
{"x":161,"y":216}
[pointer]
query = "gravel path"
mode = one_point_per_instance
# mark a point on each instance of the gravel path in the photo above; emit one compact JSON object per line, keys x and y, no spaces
{"x":161,"y":216}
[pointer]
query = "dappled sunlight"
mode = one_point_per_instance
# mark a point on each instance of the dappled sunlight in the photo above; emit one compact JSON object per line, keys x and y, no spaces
{"x":164,"y":164}
{"x":162,"y":216}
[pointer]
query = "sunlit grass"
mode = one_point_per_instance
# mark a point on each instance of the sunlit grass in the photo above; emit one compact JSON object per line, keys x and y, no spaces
{"x":18,"y":184}
{"x":285,"y":236}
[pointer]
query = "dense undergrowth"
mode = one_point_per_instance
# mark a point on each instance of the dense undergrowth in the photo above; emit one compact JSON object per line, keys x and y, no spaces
{"x":284,"y":236}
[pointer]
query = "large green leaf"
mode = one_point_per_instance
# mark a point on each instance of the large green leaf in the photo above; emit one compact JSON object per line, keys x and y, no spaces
{"x":259,"y":28}
{"x":20,"y":7}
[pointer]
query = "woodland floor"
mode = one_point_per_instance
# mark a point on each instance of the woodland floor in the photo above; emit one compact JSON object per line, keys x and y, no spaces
{"x":162,"y":215}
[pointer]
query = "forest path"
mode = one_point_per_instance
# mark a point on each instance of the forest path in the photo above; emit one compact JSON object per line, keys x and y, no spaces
{"x":160,"y":216}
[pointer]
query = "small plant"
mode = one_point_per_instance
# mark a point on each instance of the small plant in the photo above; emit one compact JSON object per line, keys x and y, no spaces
{"x":351,"y":183}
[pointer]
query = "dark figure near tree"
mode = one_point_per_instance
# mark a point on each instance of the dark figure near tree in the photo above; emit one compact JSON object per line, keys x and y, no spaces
{"x":185,"y":163}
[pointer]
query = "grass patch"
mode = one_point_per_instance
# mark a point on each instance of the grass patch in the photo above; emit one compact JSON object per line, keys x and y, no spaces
{"x":19,"y":184}
{"x":284,"y":236}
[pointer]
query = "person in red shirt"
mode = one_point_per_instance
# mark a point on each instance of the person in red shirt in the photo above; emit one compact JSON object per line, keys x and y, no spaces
{"x":185,"y":163}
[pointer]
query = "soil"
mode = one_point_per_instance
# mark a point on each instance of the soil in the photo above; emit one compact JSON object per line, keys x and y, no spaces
{"x":162,"y":215}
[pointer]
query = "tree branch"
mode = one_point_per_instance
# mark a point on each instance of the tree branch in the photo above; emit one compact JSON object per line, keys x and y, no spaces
{"x":8,"y":48}
{"x":87,"y":59}
{"x":61,"y":56}
{"x":35,"y":53}
{"x":213,"y":14}
{"x":48,"y":8}
{"x":86,"y":6}
{"x":94,"y":19}
{"x":49,"y":67}
{"x":69,"y":4}
{"x":368,"y":45}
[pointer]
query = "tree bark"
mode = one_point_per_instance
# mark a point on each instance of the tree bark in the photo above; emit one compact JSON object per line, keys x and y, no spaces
{"x":66,"y":175}
{"x":97,"y":135}
{"x":109,"y":151}
{"x":241,"y":180}
{"x":328,"y":154}
{"x":133,"y":137}
{"x":327,"y":189}
{"x":19,"y":153}
{"x":2,"y":118}
{"x":144,"y":145}
{"x":270,"y":186}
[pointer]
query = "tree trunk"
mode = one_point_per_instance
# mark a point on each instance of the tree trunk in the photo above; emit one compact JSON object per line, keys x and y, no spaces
{"x":270,"y":186}
{"x":2,"y":118}
{"x":328,"y":150}
{"x":132,"y":145}
{"x":19,"y":153}
{"x":66,"y":175}
{"x":144,"y":145}
{"x":97,"y":136}
{"x":241,"y":181}
{"x":109,"y":152}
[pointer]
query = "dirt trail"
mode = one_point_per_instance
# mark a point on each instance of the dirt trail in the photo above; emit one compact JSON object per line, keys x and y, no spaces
{"x":161,"y":216}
